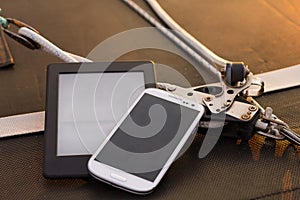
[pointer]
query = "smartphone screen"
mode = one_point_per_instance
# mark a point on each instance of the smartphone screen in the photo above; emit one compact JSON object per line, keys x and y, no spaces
{"x":147,"y":137}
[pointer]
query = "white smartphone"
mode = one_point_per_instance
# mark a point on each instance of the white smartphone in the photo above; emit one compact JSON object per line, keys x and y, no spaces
{"x":140,"y":149}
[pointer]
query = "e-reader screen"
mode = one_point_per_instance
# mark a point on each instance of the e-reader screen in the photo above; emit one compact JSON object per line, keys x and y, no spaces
{"x":90,"y":105}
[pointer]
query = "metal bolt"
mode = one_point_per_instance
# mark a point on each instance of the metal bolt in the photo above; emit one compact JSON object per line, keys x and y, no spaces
{"x":171,"y":88}
{"x":208,"y":99}
{"x":252,"y":108}
{"x":245,"y":116}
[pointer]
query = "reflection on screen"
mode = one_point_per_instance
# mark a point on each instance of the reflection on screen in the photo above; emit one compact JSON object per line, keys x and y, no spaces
{"x":147,"y":137}
{"x":90,"y":105}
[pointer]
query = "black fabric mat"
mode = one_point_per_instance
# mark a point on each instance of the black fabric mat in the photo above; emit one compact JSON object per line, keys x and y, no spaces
{"x":263,"y":34}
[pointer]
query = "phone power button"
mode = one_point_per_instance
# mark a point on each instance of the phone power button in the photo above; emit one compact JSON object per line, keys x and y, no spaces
{"x":118,"y":177}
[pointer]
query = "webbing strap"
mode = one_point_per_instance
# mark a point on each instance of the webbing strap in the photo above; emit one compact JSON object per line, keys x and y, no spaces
{"x":22,"y":124}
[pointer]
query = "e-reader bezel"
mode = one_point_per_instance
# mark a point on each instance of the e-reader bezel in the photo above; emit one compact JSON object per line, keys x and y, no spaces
{"x":76,"y":166}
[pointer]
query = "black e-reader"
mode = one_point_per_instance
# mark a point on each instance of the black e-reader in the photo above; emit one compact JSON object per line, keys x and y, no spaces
{"x":84,"y":102}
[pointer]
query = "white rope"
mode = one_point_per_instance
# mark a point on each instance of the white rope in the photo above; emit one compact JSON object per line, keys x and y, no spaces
{"x":173,"y":37}
{"x":79,"y":58}
{"x":185,"y":36}
{"x":50,"y":48}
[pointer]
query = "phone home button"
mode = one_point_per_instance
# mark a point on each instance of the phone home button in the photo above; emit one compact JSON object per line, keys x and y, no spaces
{"x":118,"y":177}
